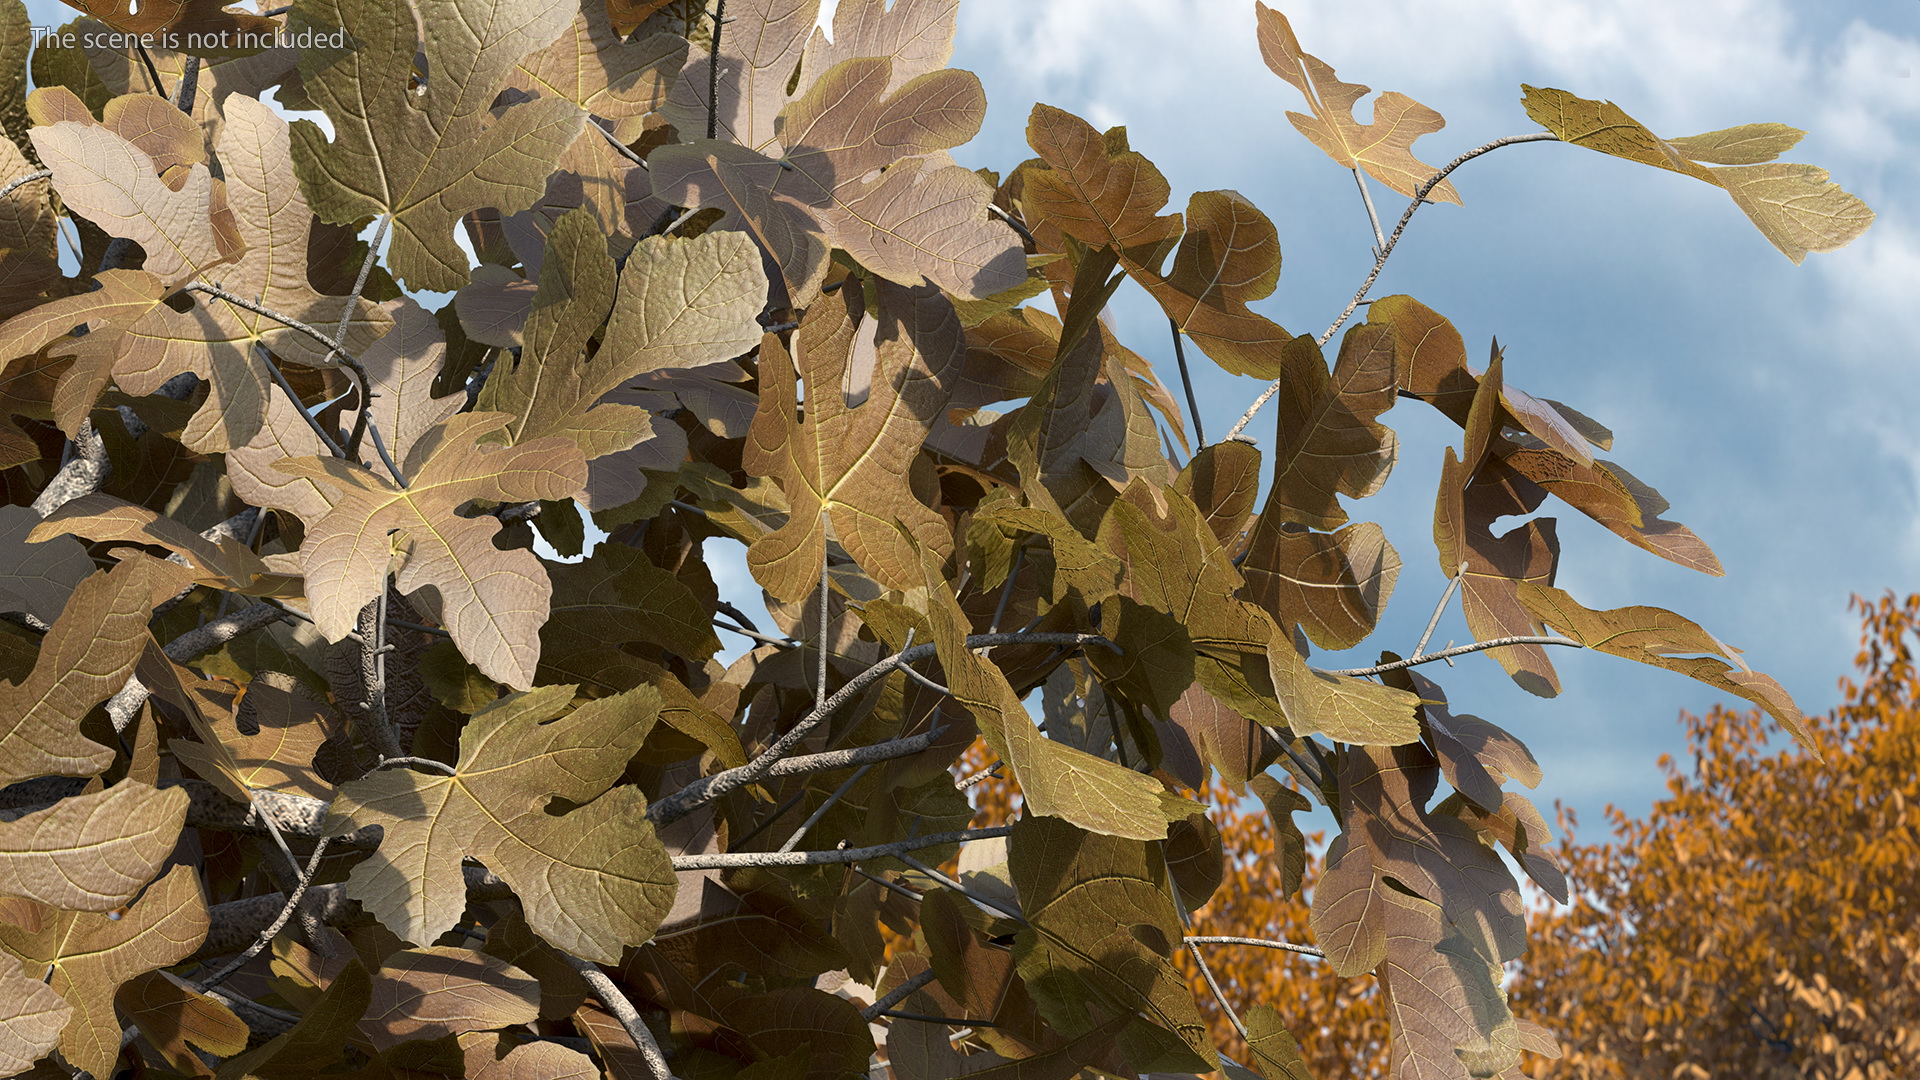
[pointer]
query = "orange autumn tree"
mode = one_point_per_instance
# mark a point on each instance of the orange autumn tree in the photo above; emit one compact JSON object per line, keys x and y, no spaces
{"x":1764,"y":920}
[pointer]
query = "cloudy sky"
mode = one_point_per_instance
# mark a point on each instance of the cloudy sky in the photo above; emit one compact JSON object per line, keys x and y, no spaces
{"x":1774,"y":405}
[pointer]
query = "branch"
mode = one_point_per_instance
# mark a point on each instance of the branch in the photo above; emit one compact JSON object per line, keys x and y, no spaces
{"x":214,"y":289}
{"x":859,"y":755}
{"x":820,"y":811}
{"x":1440,"y":608}
{"x":280,"y":380}
{"x":979,"y":898}
{"x":713,"y":70}
{"x":621,"y":148}
{"x":1218,"y":994}
{"x":43,"y":174}
{"x":706,"y":789}
{"x":623,"y":1011}
{"x":373,"y":677}
{"x":836,"y":857}
{"x":1458,"y":650}
{"x":81,"y":474}
{"x":201,"y":639}
{"x":1380,"y":259}
{"x":267,"y":935}
{"x":1265,"y":943}
{"x":896,"y":995}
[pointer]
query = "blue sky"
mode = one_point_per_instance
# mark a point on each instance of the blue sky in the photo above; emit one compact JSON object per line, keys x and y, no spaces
{"x":1773,"y":405}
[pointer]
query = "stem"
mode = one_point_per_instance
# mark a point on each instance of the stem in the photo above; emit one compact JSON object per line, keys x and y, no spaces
{"x":1186,"y":380}
{"x":706,"y":789}
{"x":1218,"y":994}
{"x":1386,"y":250}
{"x":623,"y":149}
{"x":380,"y":447}
{"x":623,"y":1011}
{"x":153,"y":72}
{"x":280,"y":380}
{"x":267,"y":935}
{"x":713,"y":70}
{"x":1379,"y":238}
{"x":1459,"y":650}
{"x":820,"y":680}
{"x":755,"y":635}
{"x":1265,"y":943}
{"x":1440,"y":608}
{"x":372,"y":625}
{"x":839,"y":856}
{"x":897,"y":995}
{"x":948,"y":882}
{"x":189,"y":84}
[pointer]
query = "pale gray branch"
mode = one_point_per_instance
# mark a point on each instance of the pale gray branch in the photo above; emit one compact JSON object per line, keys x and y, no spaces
{"x":728,"y":860}
{"x":623,"y":1011}
{"x":1265,"y":943}
{"x":1459,"y":650}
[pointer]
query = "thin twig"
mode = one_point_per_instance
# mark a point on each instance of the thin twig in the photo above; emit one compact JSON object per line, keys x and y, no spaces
{"x":950,"y":1021}
{"x":623,"y":149}
{"x":755,"y":635}
{"x":706,"y":789}
{"x":728,"y":860}
{"x":897,"y":995}
{"x":1014,"y":223}
{"x":421,"y":762}
{"x":1186,"y":380}
{"x":279,"y":379}
{"x":623,"y":1011}
{"x":153,"y":72}
{"x":1386,"y":250}
{"x":884,"y":883}
{"x":215,"y":289}
{"x":1265,"y":943}
{"x":360,"y":281}
{"x":380,"y":447}
{"x":820,"y":811}
{"x":820,"y":679}
{"x":1440,"y":608}
{"x":718,"y":16}
{"x":1379,"y":238}
{"x":1218,"y":994}
{"x":1459,"y":650}
{"x":992,"y":770}
{"x":273,"y":929}
{"x":979,"y":898}
{"x":420,"y":627}
{"x":43,"y":174}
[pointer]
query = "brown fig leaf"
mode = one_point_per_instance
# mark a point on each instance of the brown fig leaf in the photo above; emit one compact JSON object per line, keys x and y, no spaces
{"x":318,"y":1040}
{"x":592,"y":880}
{"x":1276,"y":1053}
{"x":917,"y":35}
{"x":499,"y":1057}
{"x":433,"y":992}
{"x":627,"y":15}
{"x":759,"y":53}
{"x":223,"y":564}
{"x":16,"y":41}
{"x":1095,"y":193}
{"x":1330,"y":442}
{"x":1332,"y":585}
{"x":1229,"y":256}
{"x":1794,"y":206}
{"x":38,"y":577}
{"x":427,"y":158}
{"x":216,"y":339}
{"x":1475,"y":755}
{"x":1055,"y":779}
{"x":615,"y":597}
{"x":921,"y":220}
{"x":113,"y":183}
{"x":28,"y":261}
{"x":175,"y":1018}
{"x":1663,"y":639}
{"x":743,"y":183}
{"x":844,"y":465}
{"x":89,"y":956}
{"x":1103,"y":930}
{"x":494,"y":601}
{"x":94,"y":851}
{"x":84,"y":659}
{"x":122,"y":297}
{"x":679,"y":303}
{"x":612,"y":80}
{"x":1383,"y":148}
{"x":1550,"y":441}
{"x":1497,"y":567}
{"x":32,"y":1016}
{"x":288,"y":730}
